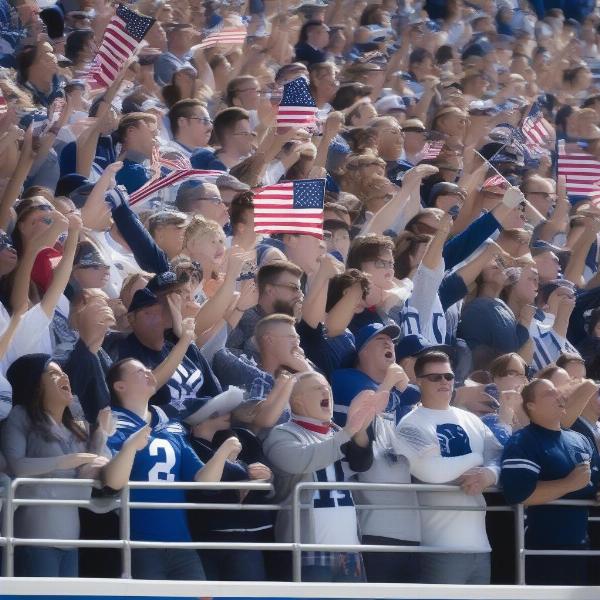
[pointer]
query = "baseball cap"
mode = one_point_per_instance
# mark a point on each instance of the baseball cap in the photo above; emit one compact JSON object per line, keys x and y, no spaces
{"x":88,"y":256}
{"x":69,"y":183}
{"x":540,"y":246}
{"x":209,"y":408}
{"x":413,"y":125}
{"x":142,"y":299}
{"x":167,"y":217}
{"x":414,"y":344}
{"x":368,"y":332}
{"x":389,"y":103}
{"x":163,"y":283}
{"x":229,"y":182}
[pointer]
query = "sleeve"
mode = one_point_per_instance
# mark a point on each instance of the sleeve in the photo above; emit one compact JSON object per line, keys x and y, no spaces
{"x":346,"y":384}
{"x":68,"y":159}
{"x":360,"y":459}
{"x":426,"y":285}
{"x":426,"y":462}
{"x":87,"y":380}
{"x":452,"y":289}
{"x":163,"y":71}
{"x":15,"y":431}
{"x":520,"y":470}
{"x":492,"y":450}
{"x":289,"y":454}
{"x":465,"y":243}
{"x":230,"y":369}
{"x":115,"y":442}
{"x":190,"y":463}
{"x":145,"y":250}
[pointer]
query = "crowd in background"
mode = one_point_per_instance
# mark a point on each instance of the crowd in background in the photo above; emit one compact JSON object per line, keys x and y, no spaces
{"x":439,"y":323}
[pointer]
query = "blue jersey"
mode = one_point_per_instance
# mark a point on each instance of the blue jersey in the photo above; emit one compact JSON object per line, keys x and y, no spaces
{"x":538,"y":454}
{"x":166,"y":457}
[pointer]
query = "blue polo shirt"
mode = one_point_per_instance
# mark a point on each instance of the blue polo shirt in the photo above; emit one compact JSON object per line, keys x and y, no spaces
{"x":536,"y":454}
{"x":134,"y":174}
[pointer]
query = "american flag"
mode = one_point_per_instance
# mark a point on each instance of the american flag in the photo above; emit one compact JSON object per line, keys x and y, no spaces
{"x":297,"y":107}
{"x":495,"y":181}
{"x":155,"y":185}
{"x":535,"y":132}
{"x":228,"y":35}
{"x":3,"y":104}
{"x":431,"y":150}
{"x":290,"y":207}
{"x":122,"y":36}
{"x":580,"y":169}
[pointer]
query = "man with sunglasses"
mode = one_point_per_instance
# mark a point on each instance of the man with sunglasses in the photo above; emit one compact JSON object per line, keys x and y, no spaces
{"x":447,"y":445}
{"x":191,"y":127}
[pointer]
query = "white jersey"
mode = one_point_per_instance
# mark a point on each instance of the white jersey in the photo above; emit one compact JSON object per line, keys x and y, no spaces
{"x":441,"y":445}
{"x":548,"y":345}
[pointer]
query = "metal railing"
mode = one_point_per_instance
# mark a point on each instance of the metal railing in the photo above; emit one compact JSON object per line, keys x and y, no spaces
{"x":123,"y":504}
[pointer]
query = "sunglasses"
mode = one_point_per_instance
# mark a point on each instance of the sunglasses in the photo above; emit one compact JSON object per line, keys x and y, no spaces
{"x":437,"y":377}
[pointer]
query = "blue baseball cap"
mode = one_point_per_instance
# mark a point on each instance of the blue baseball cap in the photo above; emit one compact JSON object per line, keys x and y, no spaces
{"x":414,"y":344}
{"x":142,"y":299}
{"x":368,"y":332}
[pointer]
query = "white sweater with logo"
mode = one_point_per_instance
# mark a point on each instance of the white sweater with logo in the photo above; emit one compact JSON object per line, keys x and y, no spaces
{"x":440,"y":446}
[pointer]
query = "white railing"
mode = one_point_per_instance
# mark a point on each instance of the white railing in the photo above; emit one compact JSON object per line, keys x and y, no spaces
{"x":122,"y":501}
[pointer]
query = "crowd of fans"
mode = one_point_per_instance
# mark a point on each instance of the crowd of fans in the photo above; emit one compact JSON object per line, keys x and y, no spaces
{"x":444,"y":328}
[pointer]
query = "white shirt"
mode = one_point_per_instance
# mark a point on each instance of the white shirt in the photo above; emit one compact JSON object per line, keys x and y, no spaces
{"x":441,"y":445}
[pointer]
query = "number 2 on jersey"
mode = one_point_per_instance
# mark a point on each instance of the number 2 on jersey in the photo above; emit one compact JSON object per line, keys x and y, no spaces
{"x":161,"y":471}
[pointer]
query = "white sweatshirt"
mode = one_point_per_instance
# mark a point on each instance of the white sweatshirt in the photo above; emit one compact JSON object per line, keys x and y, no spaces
{"x":440,"y":446}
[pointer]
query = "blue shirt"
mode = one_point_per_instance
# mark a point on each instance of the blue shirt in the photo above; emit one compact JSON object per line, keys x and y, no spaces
{"x":133,"y":175}
{"x":536,"y":454}
{"x":205,"y":158}
{"x":166,"y":457}
{"x":105,"y":155}
{"x":346,"y":384}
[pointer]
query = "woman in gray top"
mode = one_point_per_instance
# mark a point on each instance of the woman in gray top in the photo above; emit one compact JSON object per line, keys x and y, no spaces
{"x":41,"y":438}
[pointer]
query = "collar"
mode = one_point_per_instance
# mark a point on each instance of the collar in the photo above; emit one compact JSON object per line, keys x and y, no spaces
{"x":313,"y":424}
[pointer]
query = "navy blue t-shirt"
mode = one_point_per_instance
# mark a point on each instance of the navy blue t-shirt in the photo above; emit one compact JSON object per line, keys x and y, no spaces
{"x":538,"y":454}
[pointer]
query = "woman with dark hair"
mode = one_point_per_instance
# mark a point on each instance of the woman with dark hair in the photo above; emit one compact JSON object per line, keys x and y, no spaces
{"x":80,"y":48}
{"x":37,"y":71}
{"x":43,"y":438}
{"x":183,"y":85}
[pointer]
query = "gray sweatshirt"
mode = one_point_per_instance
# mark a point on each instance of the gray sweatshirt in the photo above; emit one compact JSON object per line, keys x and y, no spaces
{"x":297,"y":455}
{"x":30,"y":453}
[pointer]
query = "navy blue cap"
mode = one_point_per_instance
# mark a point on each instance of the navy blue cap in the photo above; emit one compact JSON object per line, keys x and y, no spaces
{"x":162,"y":282}
{"x":414,"y":344}
{"x":368,"y":332}
{"x":69,"y":183}
{"x":142,"y":299}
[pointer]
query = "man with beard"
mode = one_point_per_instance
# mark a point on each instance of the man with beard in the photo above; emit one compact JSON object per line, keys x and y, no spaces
{"x":279,"y":291}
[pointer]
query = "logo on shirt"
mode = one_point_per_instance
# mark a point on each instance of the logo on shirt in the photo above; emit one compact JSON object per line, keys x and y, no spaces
{"x":453,"y":440}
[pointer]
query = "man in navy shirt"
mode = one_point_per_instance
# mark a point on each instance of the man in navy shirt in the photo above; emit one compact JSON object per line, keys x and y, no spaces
{"x":137,"y":133}
{"x":193,"y":379}
{"x":150,"y":447}
{"x":542,"y":463}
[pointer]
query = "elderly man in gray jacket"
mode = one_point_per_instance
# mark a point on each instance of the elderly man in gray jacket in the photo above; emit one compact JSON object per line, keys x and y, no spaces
{"x":311,"y":448}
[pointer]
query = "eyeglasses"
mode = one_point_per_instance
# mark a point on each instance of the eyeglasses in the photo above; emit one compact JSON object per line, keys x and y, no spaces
{"x":548,"y":195}
{"x":290,"y":286}
{"x":437,"y":377}
{"x":245,"y":133}
{"x":204,"y":120}
{"x":383,"y":264}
